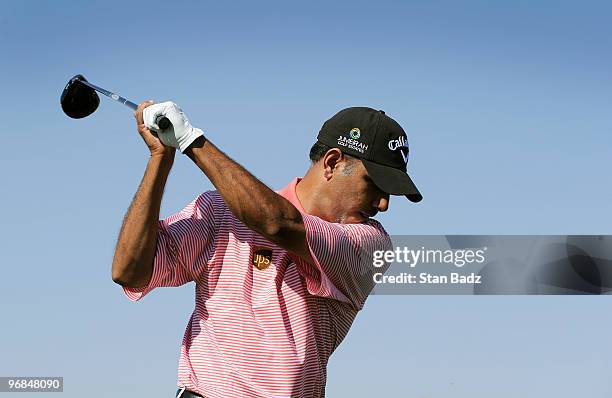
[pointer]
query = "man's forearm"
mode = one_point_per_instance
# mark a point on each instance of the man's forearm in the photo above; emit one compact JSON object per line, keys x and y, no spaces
{"x":251,"y":201}
{"x":135,"y":250}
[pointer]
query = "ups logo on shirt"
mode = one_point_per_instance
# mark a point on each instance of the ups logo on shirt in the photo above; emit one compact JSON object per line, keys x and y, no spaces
{"x":262,"y":257}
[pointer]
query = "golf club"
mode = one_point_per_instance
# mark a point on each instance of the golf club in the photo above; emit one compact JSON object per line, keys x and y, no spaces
{"x":79,"y":100}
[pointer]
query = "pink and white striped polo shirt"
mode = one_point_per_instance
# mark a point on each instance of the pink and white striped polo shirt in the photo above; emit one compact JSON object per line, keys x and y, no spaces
{"x":267,"y":330}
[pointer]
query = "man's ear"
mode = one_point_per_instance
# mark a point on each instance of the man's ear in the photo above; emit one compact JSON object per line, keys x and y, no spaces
{"x":331,"y":161}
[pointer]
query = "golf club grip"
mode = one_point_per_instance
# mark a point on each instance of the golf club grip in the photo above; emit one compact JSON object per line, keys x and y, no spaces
{"x":163,"y":122}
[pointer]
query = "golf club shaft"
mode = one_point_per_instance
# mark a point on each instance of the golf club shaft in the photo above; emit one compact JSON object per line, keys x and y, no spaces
{"x":161,"y":121}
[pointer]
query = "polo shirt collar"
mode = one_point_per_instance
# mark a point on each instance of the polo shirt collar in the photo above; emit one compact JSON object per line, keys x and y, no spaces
{"x":289,"y":193}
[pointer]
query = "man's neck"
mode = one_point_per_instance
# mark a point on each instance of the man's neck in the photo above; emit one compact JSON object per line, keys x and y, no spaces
{"x":308,"y":192}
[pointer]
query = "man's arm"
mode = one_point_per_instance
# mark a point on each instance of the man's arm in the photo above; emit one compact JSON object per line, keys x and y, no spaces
{"x":251,"y":201}
{"x":135,"y":250}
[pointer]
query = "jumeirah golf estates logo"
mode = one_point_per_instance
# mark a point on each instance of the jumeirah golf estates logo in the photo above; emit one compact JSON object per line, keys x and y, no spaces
{"x":355,"y":133}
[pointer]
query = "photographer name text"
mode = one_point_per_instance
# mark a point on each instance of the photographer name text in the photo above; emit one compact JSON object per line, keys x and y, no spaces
{"x":426,"y":278}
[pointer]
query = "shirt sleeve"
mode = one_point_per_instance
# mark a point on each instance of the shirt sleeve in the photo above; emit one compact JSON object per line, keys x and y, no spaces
{"x":343,"y":257}
{"x":185,"y":244}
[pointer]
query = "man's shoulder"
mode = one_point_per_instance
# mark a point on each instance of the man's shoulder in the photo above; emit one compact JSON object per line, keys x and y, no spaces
{"x":371,"y":230}
{"x":369,"y":233}
{"x":376,"y":224}
{"x":372,"y":226}
{"x":212,"y":197}
{"x":208,"y":204}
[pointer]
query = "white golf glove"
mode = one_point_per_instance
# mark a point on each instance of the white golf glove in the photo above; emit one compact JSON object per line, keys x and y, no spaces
{"x":180,"y":134}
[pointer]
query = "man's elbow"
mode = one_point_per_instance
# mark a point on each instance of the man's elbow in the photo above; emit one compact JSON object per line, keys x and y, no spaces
{"x":122,"y":275}
{"x":129,"y":283}
{"x":119,"y":278}
{"x":271,"y":229}
{"x":281,"y":225}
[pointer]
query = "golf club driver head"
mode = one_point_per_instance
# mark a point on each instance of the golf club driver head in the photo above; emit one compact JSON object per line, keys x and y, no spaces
{"x":78,"y":100}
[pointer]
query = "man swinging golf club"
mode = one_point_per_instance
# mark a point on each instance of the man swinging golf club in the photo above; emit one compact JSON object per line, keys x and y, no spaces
{"x":280,"y":276}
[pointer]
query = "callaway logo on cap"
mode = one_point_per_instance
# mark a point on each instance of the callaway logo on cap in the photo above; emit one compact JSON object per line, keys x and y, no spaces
{"x":379,"y":141}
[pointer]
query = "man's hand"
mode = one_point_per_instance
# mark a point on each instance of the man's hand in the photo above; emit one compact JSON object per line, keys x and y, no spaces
{"x":180,"y":134}
{"x":156,"y":147}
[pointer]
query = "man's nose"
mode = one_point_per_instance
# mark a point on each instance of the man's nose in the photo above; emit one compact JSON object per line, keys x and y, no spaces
{"x":382,"y":204}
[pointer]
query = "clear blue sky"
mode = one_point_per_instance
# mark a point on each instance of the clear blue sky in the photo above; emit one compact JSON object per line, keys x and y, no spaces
{"x":507,"y":110}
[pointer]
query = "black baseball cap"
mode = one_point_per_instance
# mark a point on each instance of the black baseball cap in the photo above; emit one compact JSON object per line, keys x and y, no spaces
{"x":380,"y":143}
